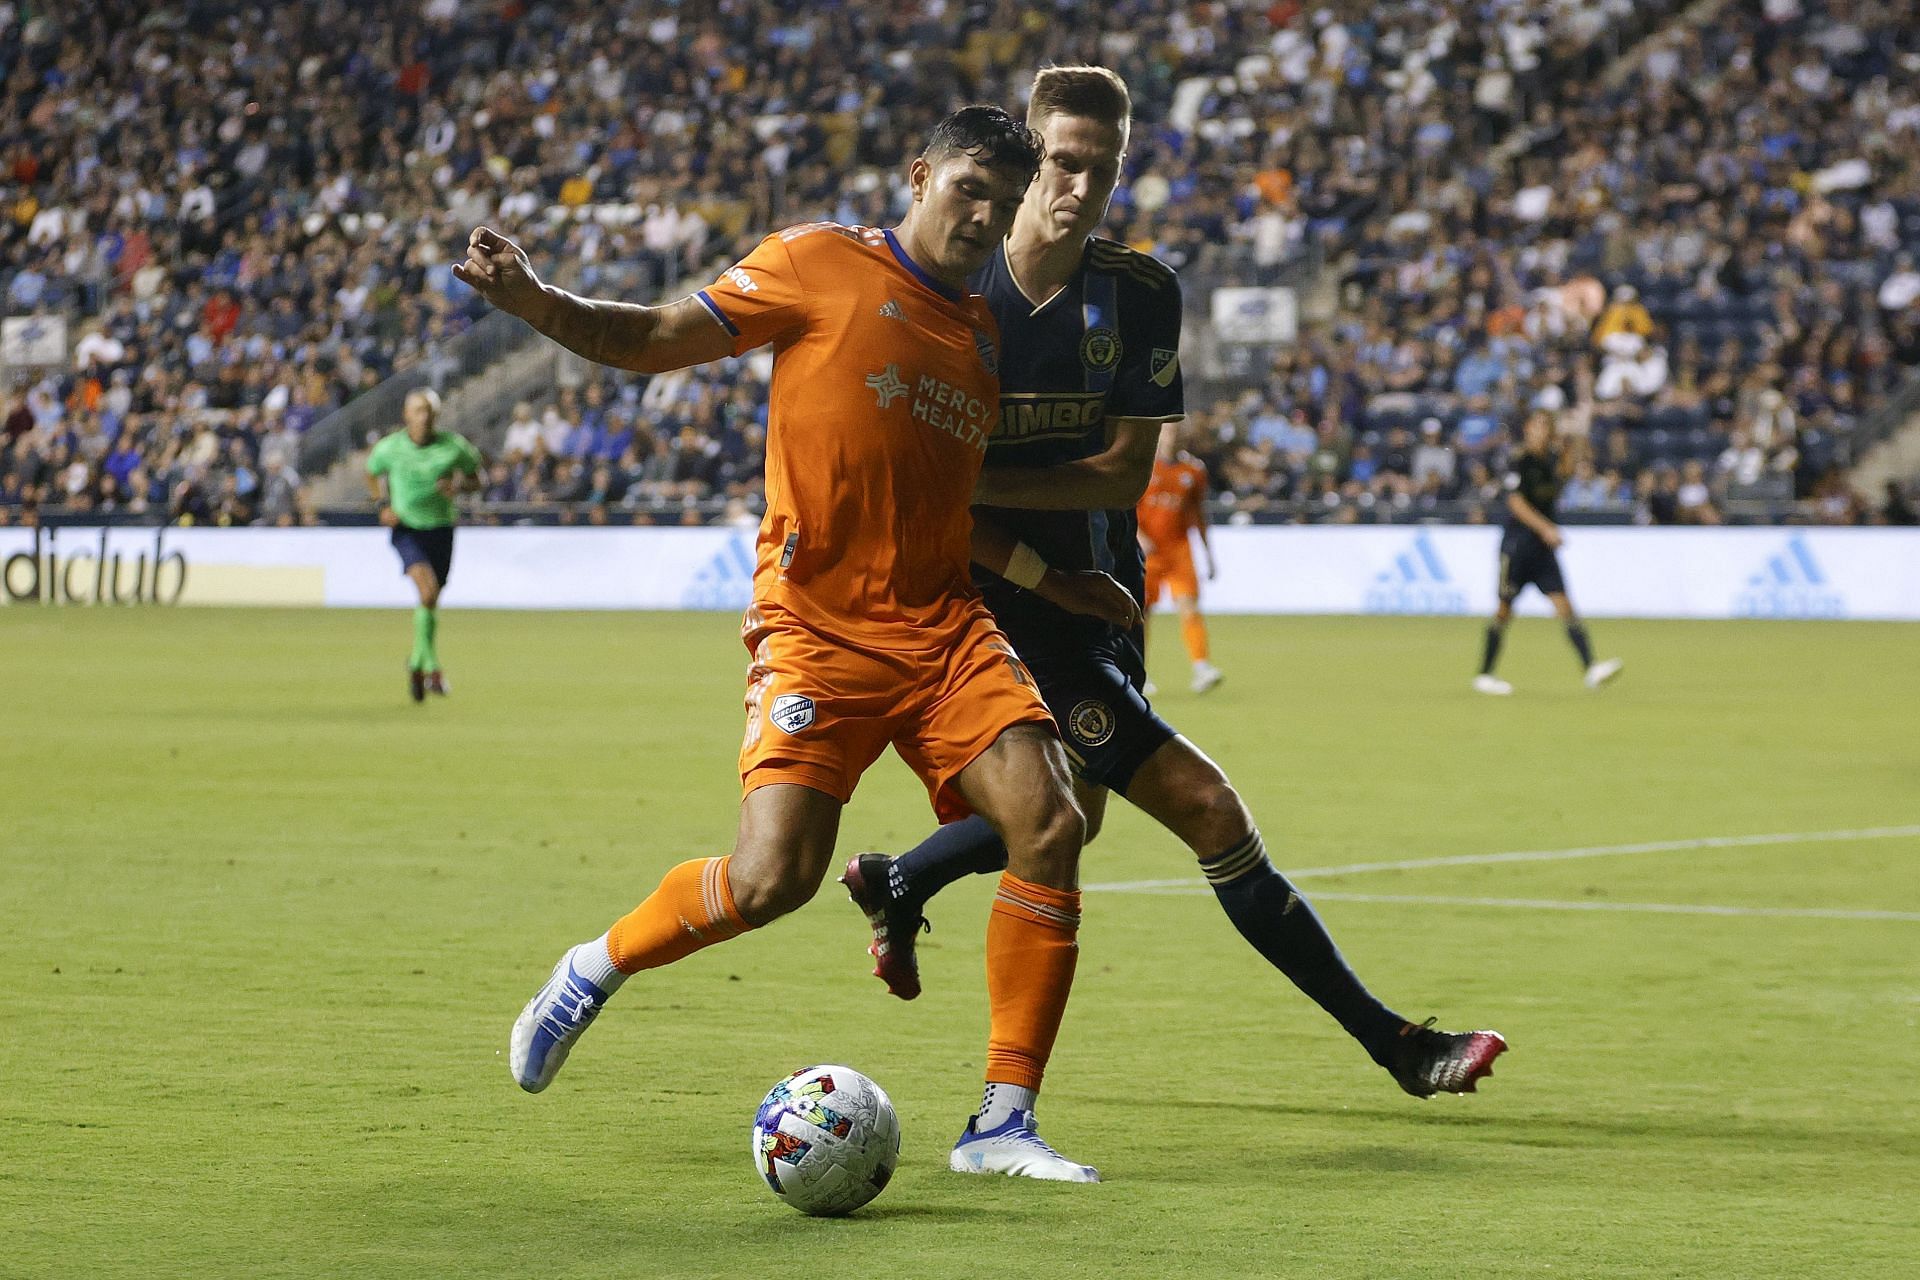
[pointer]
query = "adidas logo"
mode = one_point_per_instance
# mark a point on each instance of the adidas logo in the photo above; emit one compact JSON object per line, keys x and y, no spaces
{"x":1416,"y":582}
{"x":890,"y":310}
{"x":726,"y":581}
{"x":1790,"y":584}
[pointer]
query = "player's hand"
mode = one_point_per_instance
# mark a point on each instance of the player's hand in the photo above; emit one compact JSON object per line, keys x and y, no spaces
{"x":1090,"y":592}
{"x":1553,"y":538}
{"x":498,"y":270}
{"x":447,"y":486}
{"x":387,"y":517}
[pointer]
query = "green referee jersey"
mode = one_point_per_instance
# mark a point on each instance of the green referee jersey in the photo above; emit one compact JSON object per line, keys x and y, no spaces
{"x":413,"y":470}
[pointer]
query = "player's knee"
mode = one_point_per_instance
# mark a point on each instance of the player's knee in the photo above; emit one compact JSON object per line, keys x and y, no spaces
{"x":1216,"y":818}
{"x":771,"y":891}
{"x":1052,"y":851}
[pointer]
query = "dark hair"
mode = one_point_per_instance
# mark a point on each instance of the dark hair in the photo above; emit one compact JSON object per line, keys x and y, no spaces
{"x":1093,"y":92}
{"x":990,"y":136}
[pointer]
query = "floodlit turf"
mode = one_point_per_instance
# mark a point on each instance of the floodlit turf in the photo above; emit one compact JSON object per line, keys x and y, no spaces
{"x":265,"y":924}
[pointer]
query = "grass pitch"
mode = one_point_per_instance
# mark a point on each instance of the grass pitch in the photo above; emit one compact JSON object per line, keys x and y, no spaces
{"x":265,"y":925}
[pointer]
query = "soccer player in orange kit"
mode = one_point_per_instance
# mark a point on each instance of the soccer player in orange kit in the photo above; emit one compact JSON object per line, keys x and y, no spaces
{"x":1175,"y":506}
{"x":865,"y":629}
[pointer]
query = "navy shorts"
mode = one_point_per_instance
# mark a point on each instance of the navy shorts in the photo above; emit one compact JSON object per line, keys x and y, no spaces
{"x":1527,"y":561}
{"x":431,"y":547}
{"x":1105,"y":723}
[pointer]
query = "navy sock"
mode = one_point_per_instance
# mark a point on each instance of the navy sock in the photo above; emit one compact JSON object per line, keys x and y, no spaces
{"x":965,"y":848}
{"x":1282,"y":926}
{"x":1495,"y":634}
{"x":1578,"y":634}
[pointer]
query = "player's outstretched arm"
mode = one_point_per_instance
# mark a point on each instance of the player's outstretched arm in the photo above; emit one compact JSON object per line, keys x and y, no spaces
{"x":1112,"y":479}
{"x":622,"y":334}
{"x":1086,"y":591}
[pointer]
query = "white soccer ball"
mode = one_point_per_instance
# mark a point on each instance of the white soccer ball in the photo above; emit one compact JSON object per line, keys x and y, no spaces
{"x":826,"y":1140}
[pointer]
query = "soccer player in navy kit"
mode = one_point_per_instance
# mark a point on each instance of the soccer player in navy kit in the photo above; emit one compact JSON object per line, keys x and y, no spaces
{"x":1090,"y":337}
{"x":1527,"y":557}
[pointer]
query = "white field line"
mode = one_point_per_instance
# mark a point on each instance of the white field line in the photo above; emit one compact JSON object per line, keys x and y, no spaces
{"x":1546,"y":904}
{"x":1541,"y":855}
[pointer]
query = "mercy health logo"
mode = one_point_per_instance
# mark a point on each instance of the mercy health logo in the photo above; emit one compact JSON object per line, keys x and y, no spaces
{"x":1416,"y":582}
{"x":725,"y":581}
{"x":1791,"y":585}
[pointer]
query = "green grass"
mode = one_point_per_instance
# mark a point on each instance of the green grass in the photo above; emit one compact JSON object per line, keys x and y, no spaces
{"x":265,"y":924}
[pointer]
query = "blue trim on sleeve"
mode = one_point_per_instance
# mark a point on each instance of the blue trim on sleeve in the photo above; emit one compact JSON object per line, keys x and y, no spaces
{"x":951,"y":295}
{"x":718,"y":314}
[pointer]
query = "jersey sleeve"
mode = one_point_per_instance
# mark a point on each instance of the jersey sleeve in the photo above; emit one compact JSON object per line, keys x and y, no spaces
{"x":470,"y":460}
{"x":379,"y":458}
{"x":1148,"y":383}
{"x":759,"y":299}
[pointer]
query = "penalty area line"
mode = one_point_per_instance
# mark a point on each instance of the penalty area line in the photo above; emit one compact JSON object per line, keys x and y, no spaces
{"x":1545,"y":855}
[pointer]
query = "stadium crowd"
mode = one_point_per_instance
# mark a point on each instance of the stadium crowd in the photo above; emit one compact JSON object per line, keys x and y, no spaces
{"x":1696,"y":270}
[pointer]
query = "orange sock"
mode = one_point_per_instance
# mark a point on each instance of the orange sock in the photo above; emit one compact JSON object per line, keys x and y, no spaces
{"x":1193,"y":629}
{"x":692,"y":908}
{"x":1031,"y":953}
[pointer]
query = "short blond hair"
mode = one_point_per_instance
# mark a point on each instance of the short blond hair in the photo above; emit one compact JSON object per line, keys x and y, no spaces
{"x":1094,"y":92}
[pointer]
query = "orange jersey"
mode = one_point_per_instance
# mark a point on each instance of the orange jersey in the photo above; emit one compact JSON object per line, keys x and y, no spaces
{"x":885,"y":390}
{"x":1171,"y":505}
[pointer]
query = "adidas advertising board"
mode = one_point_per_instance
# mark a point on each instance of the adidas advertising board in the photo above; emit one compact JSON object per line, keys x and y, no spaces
{"x":1381,"y":569}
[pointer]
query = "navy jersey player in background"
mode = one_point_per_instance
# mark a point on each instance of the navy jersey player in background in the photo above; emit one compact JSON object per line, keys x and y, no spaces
{"x":1090,"y":336}
{"x":1527,"y":558}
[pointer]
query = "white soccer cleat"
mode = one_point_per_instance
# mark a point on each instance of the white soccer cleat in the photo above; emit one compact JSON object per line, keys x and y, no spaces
{"x":1601,"y":672}
{"x":1016,"y":1149}
{"x":546,"y":1029}
{"x":1206,"y":676}
{"x":1492,"y":684}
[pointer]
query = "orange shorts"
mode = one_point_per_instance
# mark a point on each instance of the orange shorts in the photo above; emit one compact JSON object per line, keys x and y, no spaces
{"x":820,"y":710}
{"x":1170,"y":568}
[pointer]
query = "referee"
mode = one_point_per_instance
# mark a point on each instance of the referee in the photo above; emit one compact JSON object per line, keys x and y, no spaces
{"x":414,"y":474}
{"x":1527,"y":556}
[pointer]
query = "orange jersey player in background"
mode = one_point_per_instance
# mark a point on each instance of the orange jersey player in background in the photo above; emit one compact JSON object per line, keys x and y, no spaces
{"x":1174,"y":508}
{"x":865,"y":629}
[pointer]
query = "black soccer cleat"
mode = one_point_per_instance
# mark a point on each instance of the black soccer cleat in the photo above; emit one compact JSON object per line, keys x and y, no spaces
{"x":1425,"y":1062}
{"x":895,"y":925}
{"x":417,"y":685}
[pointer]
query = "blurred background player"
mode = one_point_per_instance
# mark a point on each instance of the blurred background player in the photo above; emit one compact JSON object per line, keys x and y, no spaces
{"x":1527,"y":556}
{"x":1091,"y":331}
{"x":884,"y":397}
{"x":1173,"y":510}
{"x":415,"y":474}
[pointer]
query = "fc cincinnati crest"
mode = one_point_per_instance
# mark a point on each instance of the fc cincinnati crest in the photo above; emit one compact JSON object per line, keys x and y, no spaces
{"x":792,"y":712}
{"x":989,"y":356}
{"x":1091,"y":722}
{"x":1100,"y":349}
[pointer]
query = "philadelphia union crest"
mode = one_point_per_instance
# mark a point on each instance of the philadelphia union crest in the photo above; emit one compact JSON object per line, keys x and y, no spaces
{"x":1091,"y":722}
{"x":1100,"y":349}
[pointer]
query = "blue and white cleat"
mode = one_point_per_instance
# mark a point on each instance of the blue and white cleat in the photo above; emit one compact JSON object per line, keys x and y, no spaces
{"x":544,"y":1032}
{"x":1015,"y":1148}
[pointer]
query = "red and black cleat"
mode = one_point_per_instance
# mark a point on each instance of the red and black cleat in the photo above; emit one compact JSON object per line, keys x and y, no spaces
{"x":1426,"y":1062}
{"x":895,"y":925}
{"x":417,"y":685}
{"x":437,"y":683}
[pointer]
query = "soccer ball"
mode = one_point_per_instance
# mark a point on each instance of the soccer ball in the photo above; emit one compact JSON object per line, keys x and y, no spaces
{"x":826,"y":1140}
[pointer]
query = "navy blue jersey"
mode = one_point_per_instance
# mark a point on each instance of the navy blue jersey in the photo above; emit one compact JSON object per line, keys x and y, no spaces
{"x":1105,"y":346}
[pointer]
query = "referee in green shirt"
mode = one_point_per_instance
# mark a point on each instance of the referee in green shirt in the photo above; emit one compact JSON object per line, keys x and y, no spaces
{"x":414,"y":474}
